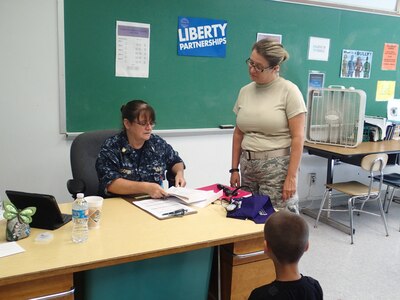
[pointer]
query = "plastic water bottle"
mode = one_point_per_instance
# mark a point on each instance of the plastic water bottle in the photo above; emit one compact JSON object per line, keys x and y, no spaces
{"x":80,"y":213}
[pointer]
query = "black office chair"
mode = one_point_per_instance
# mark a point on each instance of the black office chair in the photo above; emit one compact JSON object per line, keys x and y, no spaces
{"x":84,"y":150}
{"x":83,"y":155}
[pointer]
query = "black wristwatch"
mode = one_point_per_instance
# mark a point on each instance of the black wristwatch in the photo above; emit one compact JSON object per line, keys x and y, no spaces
{"x":233,"y":170}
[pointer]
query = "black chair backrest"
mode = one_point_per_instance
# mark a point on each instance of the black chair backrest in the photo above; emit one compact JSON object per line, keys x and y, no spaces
{"x":84,"y":150}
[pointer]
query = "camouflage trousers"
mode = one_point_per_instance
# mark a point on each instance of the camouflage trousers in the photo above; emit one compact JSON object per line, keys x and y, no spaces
{"x":266,"y":177}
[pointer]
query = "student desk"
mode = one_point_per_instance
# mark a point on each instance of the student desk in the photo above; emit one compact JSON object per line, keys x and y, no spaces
{"x":351,"y":156}
{"x":127,"y":234}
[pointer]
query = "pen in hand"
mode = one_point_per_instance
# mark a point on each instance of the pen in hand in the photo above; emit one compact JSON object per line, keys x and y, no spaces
{"x":178,"y":213}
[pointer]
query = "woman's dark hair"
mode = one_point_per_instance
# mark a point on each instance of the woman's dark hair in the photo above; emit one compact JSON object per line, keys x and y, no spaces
{"x":133,"y":109}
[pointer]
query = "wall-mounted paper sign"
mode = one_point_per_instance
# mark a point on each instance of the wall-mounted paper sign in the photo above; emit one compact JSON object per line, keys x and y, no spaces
{"x":318,"y":48}
{"x":389,"y":58}
{"x":316,"y":80}
{"x":393,"y":110}
{"x":132,"y":49}
{"x":385,"y":90}
{"x":270,"y":36}
{"x":356,"y":64}
{"x":201,"y":37}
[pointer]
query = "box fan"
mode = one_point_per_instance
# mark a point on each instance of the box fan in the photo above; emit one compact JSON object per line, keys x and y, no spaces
{"x":335,"y":116}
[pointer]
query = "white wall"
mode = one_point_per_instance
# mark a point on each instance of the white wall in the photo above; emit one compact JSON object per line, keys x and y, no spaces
{"x":35,"y":157}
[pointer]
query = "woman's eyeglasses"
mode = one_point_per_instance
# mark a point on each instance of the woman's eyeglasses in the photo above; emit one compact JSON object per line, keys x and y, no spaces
{"x":145,"y":123}
{"x":256,"y":67}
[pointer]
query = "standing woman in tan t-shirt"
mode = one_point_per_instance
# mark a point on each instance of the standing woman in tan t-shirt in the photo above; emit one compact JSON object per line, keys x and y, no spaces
{"x":269,"y":134}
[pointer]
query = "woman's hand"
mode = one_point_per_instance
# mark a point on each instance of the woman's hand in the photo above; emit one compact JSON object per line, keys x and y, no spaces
{"x":155,"y":190}
{"x":179,"y":180}
{"x":289,"y":188}
{"x":177,"y":169}
{"x":235,"y":179}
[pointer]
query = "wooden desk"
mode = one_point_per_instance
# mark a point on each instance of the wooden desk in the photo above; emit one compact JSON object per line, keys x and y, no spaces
{"x":127,"y":234}
{"x":351,"y":156}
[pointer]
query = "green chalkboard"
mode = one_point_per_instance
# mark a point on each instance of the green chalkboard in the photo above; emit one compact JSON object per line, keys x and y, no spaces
{"x":199,"y":92}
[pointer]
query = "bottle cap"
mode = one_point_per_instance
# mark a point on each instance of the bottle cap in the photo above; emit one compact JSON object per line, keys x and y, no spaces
{"x":80,"y":195}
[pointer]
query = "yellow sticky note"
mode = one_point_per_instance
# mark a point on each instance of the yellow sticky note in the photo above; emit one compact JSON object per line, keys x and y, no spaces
{"x":385,"y":90}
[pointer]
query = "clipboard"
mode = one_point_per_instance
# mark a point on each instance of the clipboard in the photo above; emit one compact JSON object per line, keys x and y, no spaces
{"x":164,"y":208}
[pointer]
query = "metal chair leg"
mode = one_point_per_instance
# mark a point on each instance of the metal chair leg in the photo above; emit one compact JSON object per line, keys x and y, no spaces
{"x":350,"y":204}
{"x":321,"y":207}
{"x":390,"y":199}
{"x":382,"y":215}
{"x":329,"y":205}
{"x":385,"y":198}
{"x":361,"y":207}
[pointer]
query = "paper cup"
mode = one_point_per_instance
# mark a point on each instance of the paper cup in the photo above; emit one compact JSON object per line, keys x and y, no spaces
{"x":95,"y":205}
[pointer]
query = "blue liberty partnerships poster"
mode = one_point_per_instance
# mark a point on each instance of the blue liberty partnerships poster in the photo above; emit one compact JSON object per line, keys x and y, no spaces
{"x":201,"y":37}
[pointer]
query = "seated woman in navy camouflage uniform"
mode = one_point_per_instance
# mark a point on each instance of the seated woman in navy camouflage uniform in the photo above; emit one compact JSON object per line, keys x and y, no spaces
{"x":135,"y":160}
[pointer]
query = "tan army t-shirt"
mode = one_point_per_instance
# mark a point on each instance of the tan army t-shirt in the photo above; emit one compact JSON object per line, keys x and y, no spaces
{"x":262,"y":113}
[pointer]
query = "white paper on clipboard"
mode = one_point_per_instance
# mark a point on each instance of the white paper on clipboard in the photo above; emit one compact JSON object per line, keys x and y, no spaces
{"x":163,"y":208}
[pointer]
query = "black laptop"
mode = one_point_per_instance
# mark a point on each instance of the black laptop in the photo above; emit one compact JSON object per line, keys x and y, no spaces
{"x":48,"y":214}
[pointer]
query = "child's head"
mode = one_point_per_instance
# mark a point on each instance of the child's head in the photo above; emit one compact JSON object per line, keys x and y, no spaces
{"x":286,"y":236}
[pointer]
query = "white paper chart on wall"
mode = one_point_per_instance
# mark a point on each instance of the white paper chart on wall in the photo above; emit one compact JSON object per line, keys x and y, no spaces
{"x":132,"y":49}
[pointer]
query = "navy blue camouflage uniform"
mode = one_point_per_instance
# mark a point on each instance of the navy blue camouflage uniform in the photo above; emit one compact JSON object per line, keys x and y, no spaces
{"x":117,"y":159}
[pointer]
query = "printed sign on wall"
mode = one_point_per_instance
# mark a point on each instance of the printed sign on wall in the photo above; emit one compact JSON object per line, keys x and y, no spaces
{"x":356,"y":64}
{"x":201,"y":37}
{"x":389,"y":59}
{"x":132,"y":49}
